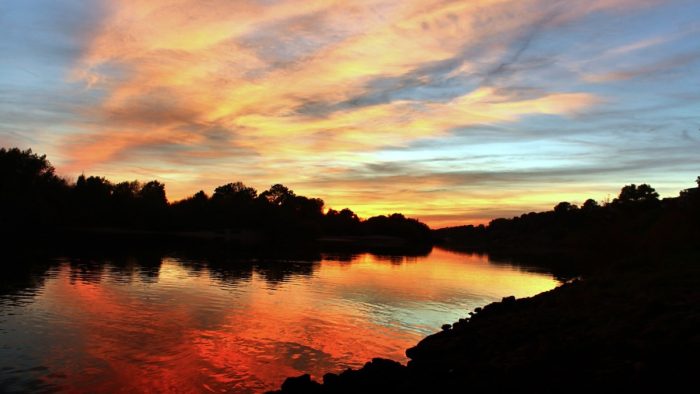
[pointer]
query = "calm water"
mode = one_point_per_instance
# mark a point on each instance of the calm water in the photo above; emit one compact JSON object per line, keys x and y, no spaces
{"x":194,"y":325}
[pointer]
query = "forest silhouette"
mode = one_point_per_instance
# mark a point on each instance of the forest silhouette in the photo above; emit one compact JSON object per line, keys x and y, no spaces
{"x":635,"y":222}
{"x":35,"y":198}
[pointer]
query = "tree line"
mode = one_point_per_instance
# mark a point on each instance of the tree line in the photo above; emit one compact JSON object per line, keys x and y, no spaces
{"x":33,"y":196}
{"x":637,"y":219}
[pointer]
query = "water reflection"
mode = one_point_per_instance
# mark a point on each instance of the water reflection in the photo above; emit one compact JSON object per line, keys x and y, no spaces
{"x":164,"y":322}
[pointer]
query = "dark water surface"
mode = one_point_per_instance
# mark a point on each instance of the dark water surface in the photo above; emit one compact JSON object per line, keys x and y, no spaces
{"x":166,"y":323}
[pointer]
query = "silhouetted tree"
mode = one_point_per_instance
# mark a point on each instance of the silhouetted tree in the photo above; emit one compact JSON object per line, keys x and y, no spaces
{"x":396,"y":225}
{"x":92,"y":201}
{"x":200,"y":197}
{"x":93,"y":188}
{"x":590,"y":205}
{"x":30,"y":191}
{"x":634,"y":193}
{"x":235,"y":192}
{"x":345,"y":222}
{"x":126,"y":191}
{"x":193,"y":212}
{"x":124,"y":203}
{"x":277,"y":195}
{"x":25,"y":169}
{"x":233,"y":205}
{"x":307,"y":208}
{"x":565,"y":206}
{"x":153,"y":205}
{"x":153,"y":194}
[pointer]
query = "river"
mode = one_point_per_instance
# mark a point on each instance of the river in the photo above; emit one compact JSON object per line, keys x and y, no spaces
{"x":163,"y":322}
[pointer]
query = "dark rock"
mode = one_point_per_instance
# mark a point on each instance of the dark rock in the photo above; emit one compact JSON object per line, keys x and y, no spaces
{"x":301,"y":385}
{"x":330,"y":379}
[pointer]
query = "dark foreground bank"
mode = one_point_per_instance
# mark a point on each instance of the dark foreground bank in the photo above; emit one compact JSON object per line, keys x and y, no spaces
{"x":635,"y":326}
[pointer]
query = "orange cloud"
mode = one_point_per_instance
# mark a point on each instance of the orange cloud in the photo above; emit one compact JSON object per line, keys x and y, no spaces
{"x":170,"y":72}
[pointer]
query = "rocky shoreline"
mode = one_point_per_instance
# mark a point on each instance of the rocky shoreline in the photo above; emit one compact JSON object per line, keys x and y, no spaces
{"x":634,"y":326}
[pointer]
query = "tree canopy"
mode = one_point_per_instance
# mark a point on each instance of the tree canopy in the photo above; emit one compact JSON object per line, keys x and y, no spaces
{"x":634,"y":193}
{"x":636,"y":219}
{"x":31,"y":193}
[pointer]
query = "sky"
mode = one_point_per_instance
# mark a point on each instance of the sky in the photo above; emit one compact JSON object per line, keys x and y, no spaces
{"x":452,"y":112}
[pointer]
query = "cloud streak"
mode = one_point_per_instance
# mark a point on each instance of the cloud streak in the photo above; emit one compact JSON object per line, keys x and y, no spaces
{"x":323,"y":97}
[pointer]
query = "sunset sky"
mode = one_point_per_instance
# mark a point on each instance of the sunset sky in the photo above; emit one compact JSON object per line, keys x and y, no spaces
{"x":452,"y":112}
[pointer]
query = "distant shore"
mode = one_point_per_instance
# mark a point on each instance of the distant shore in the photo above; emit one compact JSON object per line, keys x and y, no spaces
{"x":252,"y":241}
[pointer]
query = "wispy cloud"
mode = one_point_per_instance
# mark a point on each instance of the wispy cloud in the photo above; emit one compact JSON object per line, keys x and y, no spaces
{"x":650,"y":70}
{"x":246,"y":68}
{"x":319,"y":96}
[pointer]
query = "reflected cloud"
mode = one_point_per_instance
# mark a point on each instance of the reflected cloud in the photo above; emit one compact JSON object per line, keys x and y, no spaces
{"x":147,"y":322}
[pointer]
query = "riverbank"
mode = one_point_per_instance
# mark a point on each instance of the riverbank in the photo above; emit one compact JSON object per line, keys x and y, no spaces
{"x":70,"y":240}
{"x":634,"y":326}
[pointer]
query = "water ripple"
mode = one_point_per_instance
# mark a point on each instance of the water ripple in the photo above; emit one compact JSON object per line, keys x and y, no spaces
{"x":197,"y":325}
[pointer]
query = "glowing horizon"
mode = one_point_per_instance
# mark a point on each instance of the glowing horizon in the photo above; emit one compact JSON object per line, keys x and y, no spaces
{"x":452,"y":112}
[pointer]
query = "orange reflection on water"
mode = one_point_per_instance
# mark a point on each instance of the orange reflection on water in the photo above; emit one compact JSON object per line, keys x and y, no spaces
{"x":189,"y":330}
